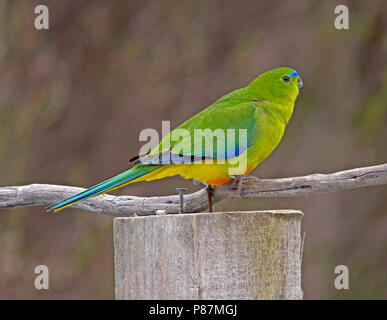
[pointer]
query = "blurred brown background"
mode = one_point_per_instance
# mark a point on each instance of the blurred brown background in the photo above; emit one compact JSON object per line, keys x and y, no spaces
{"x":74,"y":98}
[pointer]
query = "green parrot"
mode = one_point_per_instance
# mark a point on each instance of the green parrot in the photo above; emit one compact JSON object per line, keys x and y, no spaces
{"x":257,"y":114}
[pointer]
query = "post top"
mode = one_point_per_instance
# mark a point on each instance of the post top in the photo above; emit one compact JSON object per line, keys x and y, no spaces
{"x":280,"y":212}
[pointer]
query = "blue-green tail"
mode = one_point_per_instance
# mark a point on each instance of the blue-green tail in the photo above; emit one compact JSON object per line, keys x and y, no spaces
{"x":105,"y":186}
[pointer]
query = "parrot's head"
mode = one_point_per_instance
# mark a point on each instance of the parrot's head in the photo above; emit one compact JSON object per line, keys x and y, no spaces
{"x":281,"y":85}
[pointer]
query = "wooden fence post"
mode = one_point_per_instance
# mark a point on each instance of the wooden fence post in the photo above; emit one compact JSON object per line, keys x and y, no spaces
{"x":224,"y":255}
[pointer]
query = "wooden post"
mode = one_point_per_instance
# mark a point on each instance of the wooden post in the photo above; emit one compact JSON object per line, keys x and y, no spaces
{"x":224,"y":255}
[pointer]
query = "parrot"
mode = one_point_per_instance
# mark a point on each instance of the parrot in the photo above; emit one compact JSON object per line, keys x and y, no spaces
{"x":260,"y":111}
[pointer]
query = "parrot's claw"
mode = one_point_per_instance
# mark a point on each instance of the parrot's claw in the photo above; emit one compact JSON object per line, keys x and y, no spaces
{"x":237,"y":182}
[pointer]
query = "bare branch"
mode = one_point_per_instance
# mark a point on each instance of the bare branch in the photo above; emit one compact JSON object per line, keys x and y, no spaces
{"x":248,"y":187}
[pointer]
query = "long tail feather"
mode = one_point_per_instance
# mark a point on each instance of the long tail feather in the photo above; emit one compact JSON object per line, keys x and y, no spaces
{"x":105,"y":186}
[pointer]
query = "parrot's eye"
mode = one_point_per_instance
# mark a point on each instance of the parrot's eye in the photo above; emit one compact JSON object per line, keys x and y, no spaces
{"x":286,"y":79}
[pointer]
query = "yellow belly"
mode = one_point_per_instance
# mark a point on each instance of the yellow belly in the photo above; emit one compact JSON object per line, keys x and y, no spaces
{"x":211,"y":173}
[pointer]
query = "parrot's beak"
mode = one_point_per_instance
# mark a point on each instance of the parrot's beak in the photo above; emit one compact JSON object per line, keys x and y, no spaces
{"x":300,"y":84}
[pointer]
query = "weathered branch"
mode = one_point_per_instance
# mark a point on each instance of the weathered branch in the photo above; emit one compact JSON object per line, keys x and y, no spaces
{"x":248,"y":187}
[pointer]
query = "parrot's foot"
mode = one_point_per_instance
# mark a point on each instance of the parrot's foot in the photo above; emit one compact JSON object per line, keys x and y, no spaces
{"x":237,"y":181}
{"x":210,"y":194}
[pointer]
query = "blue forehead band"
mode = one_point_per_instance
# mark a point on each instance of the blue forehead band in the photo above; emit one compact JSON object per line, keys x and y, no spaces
{"x":294,"y":74}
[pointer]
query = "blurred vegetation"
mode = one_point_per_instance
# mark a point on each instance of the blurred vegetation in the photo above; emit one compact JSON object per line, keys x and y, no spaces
{"x":74,"y":98}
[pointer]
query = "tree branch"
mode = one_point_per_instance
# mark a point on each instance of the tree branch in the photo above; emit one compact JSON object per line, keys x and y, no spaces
{"x":247,"y":187}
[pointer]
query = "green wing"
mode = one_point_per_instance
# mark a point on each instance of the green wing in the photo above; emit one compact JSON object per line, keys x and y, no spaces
{"x":208,"y":135}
